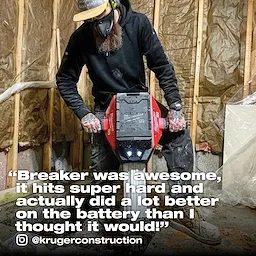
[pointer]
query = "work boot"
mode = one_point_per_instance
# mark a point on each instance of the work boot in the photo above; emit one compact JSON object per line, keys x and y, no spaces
{"x":197,"y":227}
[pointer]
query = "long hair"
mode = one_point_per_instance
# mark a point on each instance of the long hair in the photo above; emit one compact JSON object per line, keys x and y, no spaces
{"x":113,"y":41}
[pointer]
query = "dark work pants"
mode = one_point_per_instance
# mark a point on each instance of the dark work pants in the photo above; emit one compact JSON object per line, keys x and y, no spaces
{"x":177,"y":151}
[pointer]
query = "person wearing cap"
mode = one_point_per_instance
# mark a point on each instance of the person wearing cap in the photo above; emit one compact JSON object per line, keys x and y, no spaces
{"x":111,"y":43}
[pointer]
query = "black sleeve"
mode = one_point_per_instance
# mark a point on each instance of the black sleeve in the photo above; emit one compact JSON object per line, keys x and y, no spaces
{"x":158,"y":62}
{"x":67,"y":78}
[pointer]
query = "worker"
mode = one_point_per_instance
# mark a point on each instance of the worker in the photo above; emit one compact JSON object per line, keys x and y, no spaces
{"x":111,"y":43}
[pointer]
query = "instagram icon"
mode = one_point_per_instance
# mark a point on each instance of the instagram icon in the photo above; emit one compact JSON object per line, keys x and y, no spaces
{"x":21,"y":240}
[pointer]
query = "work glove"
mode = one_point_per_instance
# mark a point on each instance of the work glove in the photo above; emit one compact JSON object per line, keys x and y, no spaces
{"x":90,"y":123}
{"x":175,"y":118}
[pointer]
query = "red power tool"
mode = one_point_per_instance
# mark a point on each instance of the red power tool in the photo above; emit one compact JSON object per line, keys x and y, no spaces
{"x":133,"y":126}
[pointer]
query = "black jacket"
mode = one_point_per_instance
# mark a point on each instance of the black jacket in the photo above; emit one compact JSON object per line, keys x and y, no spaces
{"x":119,"y":71}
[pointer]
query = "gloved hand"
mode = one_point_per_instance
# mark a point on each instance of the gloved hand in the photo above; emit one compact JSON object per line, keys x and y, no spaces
{"x":175,"y":118}
{"x":91,"y":123}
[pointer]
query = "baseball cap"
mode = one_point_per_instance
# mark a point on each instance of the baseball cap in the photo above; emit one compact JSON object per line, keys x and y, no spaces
{"x":90,"y":9}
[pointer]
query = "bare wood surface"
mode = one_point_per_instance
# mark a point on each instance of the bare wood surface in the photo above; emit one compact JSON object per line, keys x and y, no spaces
{"x":152,"y":82}
{"x":152,"y":79}
{"x":62,"y":103}
{"x":12,"y":158}
{"x":193,"y":63}
{"x":47,"y":158}
{"x":197,"y":70}
{"x":248,"y":48}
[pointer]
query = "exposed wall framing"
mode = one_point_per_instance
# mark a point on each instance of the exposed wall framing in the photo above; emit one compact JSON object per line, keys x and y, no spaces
{"x":12,"y":160}
{"x":253,"y":58}
{"x":248,"y":47}
{"x":156,"y":19}
{"x":47,"y":157}
{"x":67,"y":125}
{"x":25,"y":12}
{"x":197,"y":70}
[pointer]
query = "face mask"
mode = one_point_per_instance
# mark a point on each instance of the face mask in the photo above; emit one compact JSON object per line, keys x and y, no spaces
{"x":104,"y":25}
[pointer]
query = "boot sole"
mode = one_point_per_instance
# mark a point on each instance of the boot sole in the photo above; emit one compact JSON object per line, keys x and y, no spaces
{"x":189,"y":232}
